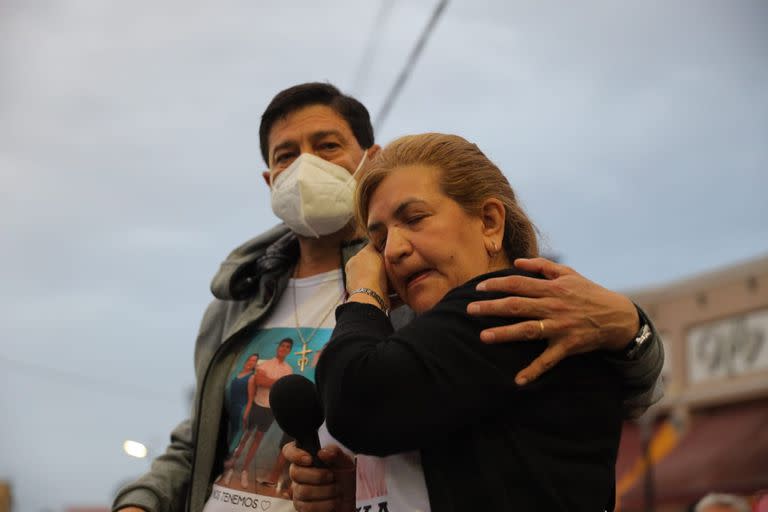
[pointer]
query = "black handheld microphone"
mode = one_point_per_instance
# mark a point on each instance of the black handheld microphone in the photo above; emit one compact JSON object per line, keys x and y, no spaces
{"x":296,"y":407}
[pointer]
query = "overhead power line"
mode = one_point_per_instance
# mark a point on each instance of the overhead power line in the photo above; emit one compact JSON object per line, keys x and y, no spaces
{"x":366,"y":61}
{"x":88,"y":382}
{"x":412,"y":58}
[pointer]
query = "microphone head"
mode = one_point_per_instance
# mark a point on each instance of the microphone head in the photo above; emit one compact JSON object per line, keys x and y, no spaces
{"x":296,"y":406}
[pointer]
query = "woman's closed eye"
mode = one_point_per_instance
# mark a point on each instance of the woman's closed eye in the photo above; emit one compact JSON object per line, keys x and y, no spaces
{"x":413,"y":220}
{"x":379,"y":243}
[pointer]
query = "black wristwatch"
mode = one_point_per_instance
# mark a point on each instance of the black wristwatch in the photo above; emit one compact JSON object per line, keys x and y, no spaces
{"x":634,"y":348}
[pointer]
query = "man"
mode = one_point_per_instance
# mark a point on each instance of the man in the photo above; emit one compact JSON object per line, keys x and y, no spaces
{"x":289,"y":280}
{"x":259,"y":411}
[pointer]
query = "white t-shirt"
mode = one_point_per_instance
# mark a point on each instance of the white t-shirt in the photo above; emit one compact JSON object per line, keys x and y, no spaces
{"x":255,"y":476}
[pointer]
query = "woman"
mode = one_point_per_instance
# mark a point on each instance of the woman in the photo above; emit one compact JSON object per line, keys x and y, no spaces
{"x":237,"y":393}
{"x":441,"y":218}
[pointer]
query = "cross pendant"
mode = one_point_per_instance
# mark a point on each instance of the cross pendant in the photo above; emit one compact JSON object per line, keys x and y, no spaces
{"x":303,"y":360}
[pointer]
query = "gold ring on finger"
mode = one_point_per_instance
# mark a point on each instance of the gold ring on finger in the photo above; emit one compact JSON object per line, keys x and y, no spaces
{"x":541,"y":328}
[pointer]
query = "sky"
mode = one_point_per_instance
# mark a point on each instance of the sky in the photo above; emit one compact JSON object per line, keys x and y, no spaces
{"x":635,"y":133}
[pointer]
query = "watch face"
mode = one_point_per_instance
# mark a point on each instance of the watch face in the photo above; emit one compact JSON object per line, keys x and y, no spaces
{"x":637,"y":344}
{"x":645,"y":333}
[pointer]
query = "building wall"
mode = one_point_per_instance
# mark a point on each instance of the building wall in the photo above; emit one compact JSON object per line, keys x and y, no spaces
{"x":715,"y":332}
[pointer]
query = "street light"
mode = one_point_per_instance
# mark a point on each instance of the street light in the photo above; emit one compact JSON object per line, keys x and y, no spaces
{"x":135,"y":449}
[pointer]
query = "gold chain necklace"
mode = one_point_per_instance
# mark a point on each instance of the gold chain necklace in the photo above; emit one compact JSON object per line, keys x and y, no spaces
{"x":303,"y":360}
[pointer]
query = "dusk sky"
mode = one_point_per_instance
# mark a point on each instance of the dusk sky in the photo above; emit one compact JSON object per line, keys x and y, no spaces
{"x":635,"y":133}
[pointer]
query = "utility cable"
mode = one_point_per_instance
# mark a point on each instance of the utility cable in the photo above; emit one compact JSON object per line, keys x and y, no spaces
{"x":397,"y":87}
{"x":89,"y":382}
{"x":364,"y":68}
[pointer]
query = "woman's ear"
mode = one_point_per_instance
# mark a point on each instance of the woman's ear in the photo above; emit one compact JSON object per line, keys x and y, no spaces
{"x":494,"y":216}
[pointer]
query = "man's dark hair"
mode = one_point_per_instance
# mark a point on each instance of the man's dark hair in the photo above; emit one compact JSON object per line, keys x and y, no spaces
{"x":316,"y":93}
{"x":286,"y":340}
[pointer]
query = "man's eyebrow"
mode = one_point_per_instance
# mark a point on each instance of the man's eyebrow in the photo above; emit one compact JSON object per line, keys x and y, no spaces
{"x":290,"y":144}
{"x":325,"y":133}
{"x":377,"y":226}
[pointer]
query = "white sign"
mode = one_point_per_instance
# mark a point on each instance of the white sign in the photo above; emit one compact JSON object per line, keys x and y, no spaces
{"x":728,"y":348}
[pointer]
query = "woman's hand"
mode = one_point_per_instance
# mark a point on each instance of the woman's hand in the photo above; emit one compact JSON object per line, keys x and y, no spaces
{"x":318,"y":489}
{"x":366,"y":270}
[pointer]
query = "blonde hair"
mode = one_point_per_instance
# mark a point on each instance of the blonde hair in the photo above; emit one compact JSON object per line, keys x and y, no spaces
{"x":466,"y":175}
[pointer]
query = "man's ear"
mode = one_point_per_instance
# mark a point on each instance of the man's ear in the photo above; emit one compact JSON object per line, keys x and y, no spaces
{"x":265,"y":175}
{"x":371,"y":156}
{"x":372,"y":151}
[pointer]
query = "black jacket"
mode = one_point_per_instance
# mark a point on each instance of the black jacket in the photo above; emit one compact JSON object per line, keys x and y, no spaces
{"x":485,"y":443}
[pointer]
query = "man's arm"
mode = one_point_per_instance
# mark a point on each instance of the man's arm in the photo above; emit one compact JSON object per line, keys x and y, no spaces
{"x":263,"y":380}
{"x":641,"y":372}
{"x":575,"y":315}
{"x":164,"y":487}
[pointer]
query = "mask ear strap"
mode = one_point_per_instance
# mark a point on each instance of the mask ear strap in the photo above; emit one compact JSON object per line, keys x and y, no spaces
{"x":362,"y":162}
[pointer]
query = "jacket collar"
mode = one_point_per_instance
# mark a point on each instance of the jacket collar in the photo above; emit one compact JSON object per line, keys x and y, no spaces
{"x":271,"y":254}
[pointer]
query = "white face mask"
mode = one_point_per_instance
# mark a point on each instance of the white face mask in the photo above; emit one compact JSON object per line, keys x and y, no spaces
{"x":314,"y":197}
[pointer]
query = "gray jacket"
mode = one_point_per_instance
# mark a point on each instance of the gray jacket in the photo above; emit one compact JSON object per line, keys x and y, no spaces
{"x":249,"y":282}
